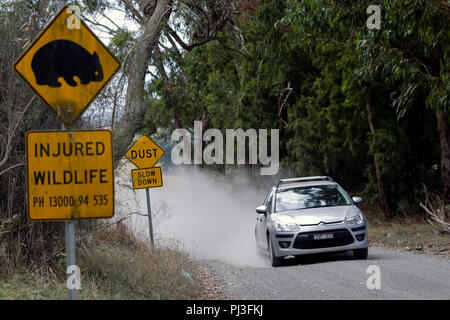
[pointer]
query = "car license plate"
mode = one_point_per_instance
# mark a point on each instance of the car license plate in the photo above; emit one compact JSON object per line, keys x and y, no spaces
{"x":323,"y":236}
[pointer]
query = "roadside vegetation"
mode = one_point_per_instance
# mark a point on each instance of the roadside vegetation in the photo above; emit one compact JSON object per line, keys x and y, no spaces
{"x":411,"y":234}
{"x":114,"y":265}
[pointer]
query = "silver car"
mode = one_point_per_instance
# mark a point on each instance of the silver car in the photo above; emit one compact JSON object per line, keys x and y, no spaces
{"x":310,"y":215}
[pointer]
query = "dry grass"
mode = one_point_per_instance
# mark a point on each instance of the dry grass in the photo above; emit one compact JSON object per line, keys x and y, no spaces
{"x":115,"y":265}
{"x":409,"y":234}
{"x":124,"y":268}
{"x":6,"y":265}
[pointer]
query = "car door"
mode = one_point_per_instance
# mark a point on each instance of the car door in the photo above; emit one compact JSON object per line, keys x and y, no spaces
{"x":261,"y":221}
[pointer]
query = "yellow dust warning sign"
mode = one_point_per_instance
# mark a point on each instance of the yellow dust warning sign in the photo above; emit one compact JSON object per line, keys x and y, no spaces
{"x":70,"y":174}
{"x":147,"y":178}
{"x":144,"y":153}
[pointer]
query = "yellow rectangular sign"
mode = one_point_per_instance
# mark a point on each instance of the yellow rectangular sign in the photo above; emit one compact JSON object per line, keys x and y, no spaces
{"x":147,"y":178}
{"x":70,"y":174}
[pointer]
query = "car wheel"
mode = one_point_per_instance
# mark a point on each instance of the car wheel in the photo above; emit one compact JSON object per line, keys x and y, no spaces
{"x":275,"y":261}
{"x":361,"y":253}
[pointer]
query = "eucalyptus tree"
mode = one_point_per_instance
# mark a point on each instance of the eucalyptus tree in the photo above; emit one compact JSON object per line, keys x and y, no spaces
{"x":155,"y":30}
{"x":405,"y":60}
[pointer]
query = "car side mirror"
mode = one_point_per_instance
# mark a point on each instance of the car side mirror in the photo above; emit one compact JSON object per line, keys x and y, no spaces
{"x":261,"y":210}
{"x":357,"y":200}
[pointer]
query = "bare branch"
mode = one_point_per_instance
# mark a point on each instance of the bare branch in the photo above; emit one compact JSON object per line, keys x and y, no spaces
{"x":136,"y":15}
{"x":188,"y":47}
{"x":109,"y":19}
{"x":436,"y":216}
{"x":284,"y":94}
{"x":12,"y":132}
{"x":12,"y":167}
{"x":95,"y":23}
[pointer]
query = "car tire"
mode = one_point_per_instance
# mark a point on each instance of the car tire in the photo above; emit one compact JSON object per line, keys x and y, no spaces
{"x":361,"y":253}
{"x":274,"y":260}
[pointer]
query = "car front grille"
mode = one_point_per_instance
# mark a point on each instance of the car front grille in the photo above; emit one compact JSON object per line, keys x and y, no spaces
{"x":341,"y":237}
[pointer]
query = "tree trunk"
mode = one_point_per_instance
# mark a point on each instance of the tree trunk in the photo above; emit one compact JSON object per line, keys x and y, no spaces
{"x":444,"y":138}
{"x":383,"y":201}
{"x":135,"y":108}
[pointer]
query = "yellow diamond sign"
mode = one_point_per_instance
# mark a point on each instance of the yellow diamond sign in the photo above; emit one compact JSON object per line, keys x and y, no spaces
{"x":144,"y":153}
{"x":67,"y":66}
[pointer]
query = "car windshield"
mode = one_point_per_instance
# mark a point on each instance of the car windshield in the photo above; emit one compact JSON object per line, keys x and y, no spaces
{"x":310,"y":197}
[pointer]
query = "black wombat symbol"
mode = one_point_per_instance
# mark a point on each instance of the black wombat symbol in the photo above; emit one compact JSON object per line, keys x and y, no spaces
{"x":64,"y":58}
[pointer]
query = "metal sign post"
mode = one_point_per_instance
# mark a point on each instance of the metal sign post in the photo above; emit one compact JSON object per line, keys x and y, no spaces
{"x":69,"y":229}
{"x":72,"y":279}
{"x":150,"y":223}
{"x":70,"y":175}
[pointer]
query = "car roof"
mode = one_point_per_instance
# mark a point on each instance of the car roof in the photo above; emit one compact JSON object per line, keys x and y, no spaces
{"x":306,"y":184}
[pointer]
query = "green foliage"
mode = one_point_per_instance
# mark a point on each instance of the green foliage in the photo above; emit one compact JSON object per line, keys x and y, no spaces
{"x":394,"y":68}
{"x":121,"y":42}
{"x":324,"y":51}
{"x":91,"y":6}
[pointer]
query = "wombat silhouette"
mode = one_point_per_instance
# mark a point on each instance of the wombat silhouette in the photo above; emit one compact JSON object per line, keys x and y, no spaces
{"x":66,"y":59}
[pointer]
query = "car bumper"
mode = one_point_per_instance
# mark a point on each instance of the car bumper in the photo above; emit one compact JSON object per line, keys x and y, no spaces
{"x":304,"y":242}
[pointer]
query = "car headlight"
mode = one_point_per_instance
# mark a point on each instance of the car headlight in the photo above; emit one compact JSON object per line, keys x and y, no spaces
{"x":352,"y":221}
{"x":286,"y":226}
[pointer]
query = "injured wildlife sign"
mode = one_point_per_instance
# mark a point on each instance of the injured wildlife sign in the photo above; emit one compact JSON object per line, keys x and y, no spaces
{"x":67,"y":66}
{"x":70,"y":174}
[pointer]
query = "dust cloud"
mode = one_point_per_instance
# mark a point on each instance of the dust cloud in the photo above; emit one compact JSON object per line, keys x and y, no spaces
{"x":207,"y":215}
